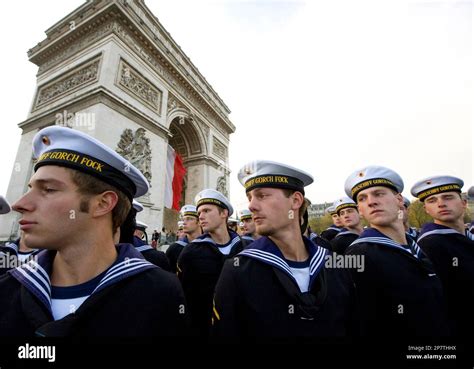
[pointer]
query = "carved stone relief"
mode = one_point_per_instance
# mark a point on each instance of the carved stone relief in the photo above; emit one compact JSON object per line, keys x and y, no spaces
{"x":79,"y":77}
{"x":136,"y":149}
{"x":222,"y":185}
{"x":139,"y":87}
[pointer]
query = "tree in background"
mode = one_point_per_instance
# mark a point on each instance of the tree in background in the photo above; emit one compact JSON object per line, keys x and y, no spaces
{"x":417,"y":215}
{"x":320,"y":224}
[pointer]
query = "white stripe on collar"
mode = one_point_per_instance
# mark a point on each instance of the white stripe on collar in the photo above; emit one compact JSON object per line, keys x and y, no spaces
{"x":469,"y":235}
{"x":210,"y":240}
{"x":182,"y":243}
{"x":270,"y":258}
{"x":438,"y":231}
{"x":318,"y":257}
{"x":144,"y":248}
{"x":37,"y":281}
{"x":388,"y":242}
{"x":120,"y":268}
{"x":43,"y":286}
{"x":344,"y":233}
{"x":267,"y":256}
{"x":13,"y":246}
{"x":125,"y":267}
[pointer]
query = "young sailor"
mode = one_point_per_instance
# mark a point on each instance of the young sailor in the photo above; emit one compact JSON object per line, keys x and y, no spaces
{"x":449,"y":246}
{"x":191,"y":229}
{"x":201,"y":261}
{"x":279,"y":286}
{"x":399,"y":294}
{"x":82,"y":284}
{"x":346,"y":209}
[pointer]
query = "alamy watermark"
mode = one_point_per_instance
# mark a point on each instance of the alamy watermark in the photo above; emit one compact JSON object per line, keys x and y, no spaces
{"x":335,"y":260}
{"x":8,"y":261}
{"x":75,"y":120}
{"x":37,"y":352}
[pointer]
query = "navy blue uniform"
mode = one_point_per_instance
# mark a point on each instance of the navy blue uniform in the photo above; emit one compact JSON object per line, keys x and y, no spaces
{"x":173,"y":252}
{"x":452,"y":255}
{"x":331,"y":232}
{"x":258,"y":298}
{"x":399,"y":294}
{"x":342,"y":241}
{"x":134,"y":299}
{"x":10,"y":256}
{"x":199,"y":267}
{"x":150,"y":254}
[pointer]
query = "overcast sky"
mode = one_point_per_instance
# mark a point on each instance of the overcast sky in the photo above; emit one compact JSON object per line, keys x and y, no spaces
{"x":326,"y":86}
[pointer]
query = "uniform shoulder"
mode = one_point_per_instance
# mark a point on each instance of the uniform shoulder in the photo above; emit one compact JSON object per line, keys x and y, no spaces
{"x":157,"y":279}
{"x":361,"y":248}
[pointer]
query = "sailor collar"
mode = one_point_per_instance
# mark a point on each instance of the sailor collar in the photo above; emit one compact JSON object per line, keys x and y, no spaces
{"x":35,"y":275}
{"x":372,"y":235}
{"x":433,"y":228}
{"x":265,"y":251}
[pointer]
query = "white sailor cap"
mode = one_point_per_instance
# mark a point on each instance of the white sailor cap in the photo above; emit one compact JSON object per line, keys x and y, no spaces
{"x":4,"y":205}
{"x":372,"y":176}
{"x":180,"y":224}
{"x":331,"y":210}
{"x":406,"y":202}
{"x":140,"y":225}
{"x":189,"y":210}
{"x":232,"y":221}
{"x":343,"y":203}
{"x":245,"y":214}
{"x":266,"y":173}
{"x":137,"y":206}
{"x":213,"y":197}
{"x":70,"y":148}
{"x":436,"y":184}
{"x":470,"y":192}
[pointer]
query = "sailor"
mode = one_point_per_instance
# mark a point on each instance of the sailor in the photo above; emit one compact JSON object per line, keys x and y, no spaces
{"x":449,"y":246}
{"x":399,"y":294}
{"x":248,"y":225}
{"x":140,"y":241}
{"x":411,"y":231}
{"x":279,"y":286}
{"x":346,"y":209}
{"x":82,"y":284}
{"x":331,"y":232}
{"x":232,"y":223}
{"x":191,"y":230}
{"x":180,"y":232}
{"x":200,"y":262}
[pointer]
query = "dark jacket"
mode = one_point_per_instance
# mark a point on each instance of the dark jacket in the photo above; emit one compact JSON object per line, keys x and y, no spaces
{"x":199,"y":267}
{"x":331,"y":232}
{"x":155,"y":257}
{"x":258,"y":298}
{"x":399,"y":295}
{"x":452,"y":255}
{"x":342,"y":241}
{"x":173,"y":252}
{"x":133,"y":299}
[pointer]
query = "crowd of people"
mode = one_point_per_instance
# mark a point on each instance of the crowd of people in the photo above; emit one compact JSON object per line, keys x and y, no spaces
{"x":270,"y":278}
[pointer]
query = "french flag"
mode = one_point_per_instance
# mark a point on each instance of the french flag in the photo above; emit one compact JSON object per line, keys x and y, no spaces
{"x":175,"y":172}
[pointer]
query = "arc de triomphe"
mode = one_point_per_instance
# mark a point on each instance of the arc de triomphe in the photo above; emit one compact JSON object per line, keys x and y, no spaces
{"x":110,"y":69}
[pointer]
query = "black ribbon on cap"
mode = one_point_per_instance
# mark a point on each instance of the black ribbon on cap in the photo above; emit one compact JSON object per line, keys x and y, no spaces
{"x":90,"y":165}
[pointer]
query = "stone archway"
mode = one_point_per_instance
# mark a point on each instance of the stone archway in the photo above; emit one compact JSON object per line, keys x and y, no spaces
{"x":190,"y":143}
